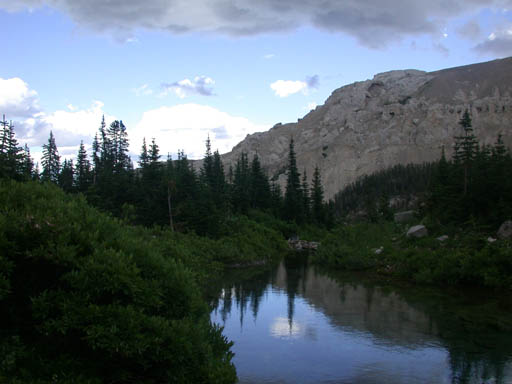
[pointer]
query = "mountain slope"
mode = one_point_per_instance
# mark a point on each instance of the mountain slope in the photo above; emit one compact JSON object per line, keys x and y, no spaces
{"x":403,"y":116}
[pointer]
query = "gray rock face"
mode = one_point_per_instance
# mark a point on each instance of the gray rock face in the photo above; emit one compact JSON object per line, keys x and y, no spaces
{"x":398,"y":117}
{"x":417,"y":231}
{"x":505,"y":231}
{"x":404,"y":217}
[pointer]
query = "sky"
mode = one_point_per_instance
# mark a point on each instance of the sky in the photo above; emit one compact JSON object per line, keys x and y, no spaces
{"x":180,"y":70}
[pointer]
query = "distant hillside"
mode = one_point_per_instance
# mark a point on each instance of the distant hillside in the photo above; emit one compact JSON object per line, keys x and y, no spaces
{"x":398,"y":117}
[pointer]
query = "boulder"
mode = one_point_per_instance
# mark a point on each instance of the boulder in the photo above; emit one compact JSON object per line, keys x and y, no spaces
{"x":300,"y":245}
{"x":442,"y":238}
{"x":491,"y":239}
{"x":404,"y":217}
{"x":417,"y":231}
{"x":378,"y":251}
{"x":505,"y":231}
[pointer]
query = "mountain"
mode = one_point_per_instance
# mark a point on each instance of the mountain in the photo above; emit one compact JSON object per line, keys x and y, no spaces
{"x":402,"y":116}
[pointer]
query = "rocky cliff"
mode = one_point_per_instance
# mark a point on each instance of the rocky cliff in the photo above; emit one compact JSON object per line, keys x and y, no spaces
{"x":403,"y":116}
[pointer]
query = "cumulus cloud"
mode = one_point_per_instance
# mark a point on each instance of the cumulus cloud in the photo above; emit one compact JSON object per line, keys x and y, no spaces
{"x":17,"y":99}
{"x":201,"y":85}
{"x":498,"y":43}
{"x":374,"y":23}
{"x":285,"y":88}
{"x":186,"y":126}
{"x":32,"y":125}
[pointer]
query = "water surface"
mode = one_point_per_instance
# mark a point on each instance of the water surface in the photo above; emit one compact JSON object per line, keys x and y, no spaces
{"x":296,"y":324}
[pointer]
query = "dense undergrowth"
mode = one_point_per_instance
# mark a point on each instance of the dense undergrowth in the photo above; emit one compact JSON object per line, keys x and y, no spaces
{"x":467,"y":257}
{"x":86,"y":298}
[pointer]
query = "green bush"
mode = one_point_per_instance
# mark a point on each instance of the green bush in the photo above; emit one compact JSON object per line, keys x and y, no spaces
{"x":86,"y":299}
{"x":465,"y":258}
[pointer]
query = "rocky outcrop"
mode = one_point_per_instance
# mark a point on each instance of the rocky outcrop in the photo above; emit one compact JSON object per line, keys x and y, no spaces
{"x":417,"y":231}
{"x":403,"y":116}
{"x":505,"y":231}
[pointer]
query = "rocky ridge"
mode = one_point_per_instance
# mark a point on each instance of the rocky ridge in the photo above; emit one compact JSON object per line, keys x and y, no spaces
{"x":398,"y":117}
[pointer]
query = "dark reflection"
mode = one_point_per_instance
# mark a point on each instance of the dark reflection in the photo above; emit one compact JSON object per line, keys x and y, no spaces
{"x":474,"y":328}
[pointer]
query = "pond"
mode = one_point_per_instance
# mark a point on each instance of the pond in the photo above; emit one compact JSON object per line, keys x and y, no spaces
{"x":295,"y":323}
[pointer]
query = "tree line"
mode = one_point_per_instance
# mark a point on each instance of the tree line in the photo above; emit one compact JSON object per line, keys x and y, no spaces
{"x":473,"y":187}
{"x":167,"y":192}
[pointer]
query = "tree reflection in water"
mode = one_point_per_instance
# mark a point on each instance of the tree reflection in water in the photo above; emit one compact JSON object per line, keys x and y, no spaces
{"x":474,"y":328}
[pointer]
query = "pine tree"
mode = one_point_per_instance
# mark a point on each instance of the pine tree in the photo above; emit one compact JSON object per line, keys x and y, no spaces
{"x":241,"y":184}
{"x":28,"y":164}
{"x":154,"y":154}
{"x":260,"y":188}
{"x":143,"y":157}
{"x":96,"y":153}
{"x":293,"y":198}
{"x":83,"y":169}
{"x":207,"y":168}
{"x":218,"y":182}
{"x":50,"y":161}
{"x":317,"y":197}
{"x":305,"y":194}
{"x":66,"y":176}
{"x":11,"y":155}
{"x":466,"y":147}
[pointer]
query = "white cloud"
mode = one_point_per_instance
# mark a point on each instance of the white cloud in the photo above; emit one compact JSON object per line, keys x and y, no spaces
{"x":201,"y":85}
{"x":69,"y":127}
{"x":186,"y":126}
{"x":285,"y":88}
{"x":371,"y":22}
{"x":17,"y":99}
{"x":269,"y":56}
{"x":32,"y":125}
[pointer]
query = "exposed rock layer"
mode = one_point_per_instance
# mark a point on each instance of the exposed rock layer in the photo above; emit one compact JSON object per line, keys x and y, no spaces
{"x":403,"y":116}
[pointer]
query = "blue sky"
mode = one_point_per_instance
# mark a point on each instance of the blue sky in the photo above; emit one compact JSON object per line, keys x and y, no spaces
{"x":180,"y":70}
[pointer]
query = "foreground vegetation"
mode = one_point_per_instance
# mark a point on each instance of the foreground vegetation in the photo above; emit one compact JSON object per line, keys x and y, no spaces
{"x":86,"y":298}
{"x":466,"y":257}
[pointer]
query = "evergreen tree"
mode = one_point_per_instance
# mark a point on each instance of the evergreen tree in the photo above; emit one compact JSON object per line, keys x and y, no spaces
{"x":83,"y":170}
{"x":154,"y":154}
{"x":143,"y":157}
{"x":11,"y":155}
{"x":305,"y":195}
{"x":276,"y":195}
{"x":293,"y":197}
{"x":28,"y":164}
{"x":317,"y":197}
{"x":96,"y":153}
{"x":260,"y":187}
{"x":207,"y":168}
{"x":50,"y":161}
{"x":466,"y":147}
{"x":218,"y":183}
{"x":241,"y":184}
{"x":66,"y":176}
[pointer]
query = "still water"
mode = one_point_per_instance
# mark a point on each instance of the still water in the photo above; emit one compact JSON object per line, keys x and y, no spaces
{"x":296,"y":324}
